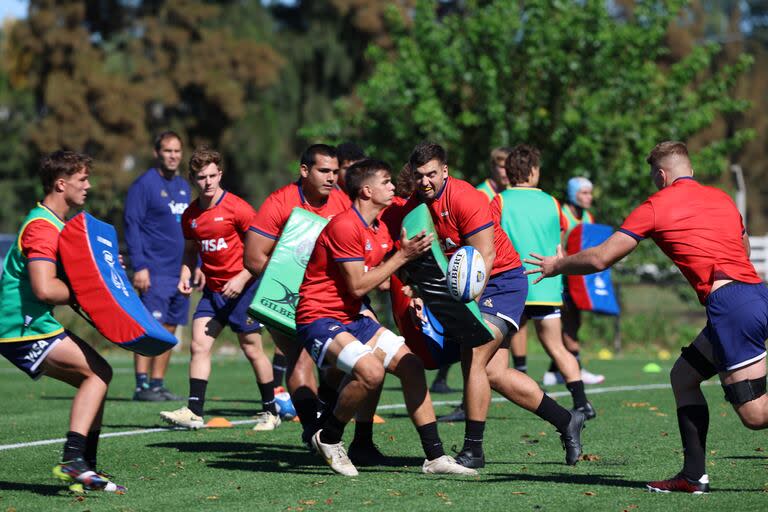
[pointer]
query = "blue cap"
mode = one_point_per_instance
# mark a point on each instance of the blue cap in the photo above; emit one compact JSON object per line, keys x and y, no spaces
{"x":576,"y":184}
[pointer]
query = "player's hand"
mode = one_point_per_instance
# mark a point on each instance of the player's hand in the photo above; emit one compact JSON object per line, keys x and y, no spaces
{"x":234,"y":287}
{"x":141,"y":280}
{"x":184,"y":287}
{"x":414,"y":247}
{"x":416,"y":308}
{"x":548,"y":265}
{"x":198,"y":282}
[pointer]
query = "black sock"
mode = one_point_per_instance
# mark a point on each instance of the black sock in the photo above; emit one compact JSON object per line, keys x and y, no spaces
{"x":577,"y":393}
{"x":693,"y":421}
{"x":554,"y":413}
{"x":553,"y":367}
{"x":91,"y":447}
{"x":267,"y":391}
{"x":196,"y":402}
{"x":473,"y":437}
{"x":74,"y":446}
{"x":156,"y":383}
{"x":306,"y":409}
{"x":327,"y":394}
{"x":279,"y":364}
{"x":430,"y":441}
{"x":442,"y":372}
{"x":520,"y":363}
{"x":333,"y":430}
{"x":142,"y":381}
{"x":363,"y":432}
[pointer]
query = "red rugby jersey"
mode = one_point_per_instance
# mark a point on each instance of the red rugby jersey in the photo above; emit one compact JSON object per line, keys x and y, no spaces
{"x":459,"y":211}
{"x":219,"y":232}
{"x":701,"y":231}
{"x":274,"y":213}
{"x":40,"y":241}
{"x":325,"y":292}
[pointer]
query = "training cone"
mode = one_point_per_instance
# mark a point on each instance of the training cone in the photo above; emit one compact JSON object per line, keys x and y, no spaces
{"x":219,"y":422}
{"x":605,"y":355}
{"x":652,"y":368}
{"x":376,"y":419}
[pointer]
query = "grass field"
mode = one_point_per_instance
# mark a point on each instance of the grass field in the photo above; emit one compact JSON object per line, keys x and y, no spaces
{"x":634,"y":439}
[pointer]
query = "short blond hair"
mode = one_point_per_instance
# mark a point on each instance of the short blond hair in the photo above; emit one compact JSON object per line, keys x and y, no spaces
{"x":664,"y":150}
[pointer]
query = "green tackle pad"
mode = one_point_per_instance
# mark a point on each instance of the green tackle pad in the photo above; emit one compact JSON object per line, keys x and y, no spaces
{"x":278,"y":293}
{"x":462,"y":322}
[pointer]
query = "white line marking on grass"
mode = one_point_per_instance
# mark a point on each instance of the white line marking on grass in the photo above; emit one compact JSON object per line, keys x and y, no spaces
{"x":592,"y":391}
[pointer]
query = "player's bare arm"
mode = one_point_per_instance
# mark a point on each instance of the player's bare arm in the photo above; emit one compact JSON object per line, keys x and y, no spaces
{"x":187,"y":266}
{"x":45,"y":285}
{"x":483,"y":242}
{"x":594,"y":259}
{"x":258,"y":249}
{"x":361,"y":282}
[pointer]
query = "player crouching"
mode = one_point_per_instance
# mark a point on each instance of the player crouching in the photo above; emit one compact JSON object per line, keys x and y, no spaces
{"x":34,"y":341}
{"x":348,"y":262}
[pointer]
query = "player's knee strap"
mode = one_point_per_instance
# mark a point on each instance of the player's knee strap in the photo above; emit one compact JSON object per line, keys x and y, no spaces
{"x":744,"y":391}
{"x":350,"y":355}
{"x":696,"y":359}
{"x":389,"y":343}
{"x":501,"y":324}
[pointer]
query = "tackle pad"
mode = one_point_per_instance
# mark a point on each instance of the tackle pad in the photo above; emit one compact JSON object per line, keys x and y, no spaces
{"x":592,"y":292}
{"x":278,"y":293}
{"x":88,"y":249}
{"x":461,"y":322}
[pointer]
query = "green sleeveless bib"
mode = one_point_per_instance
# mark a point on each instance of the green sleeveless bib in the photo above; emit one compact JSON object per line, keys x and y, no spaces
{"x":23,"y":317}
{"x":572,"y":221}
{"x":531,"y":219}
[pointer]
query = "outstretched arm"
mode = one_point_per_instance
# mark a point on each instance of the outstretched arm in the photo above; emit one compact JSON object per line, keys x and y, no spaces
{"x":594,"y":259}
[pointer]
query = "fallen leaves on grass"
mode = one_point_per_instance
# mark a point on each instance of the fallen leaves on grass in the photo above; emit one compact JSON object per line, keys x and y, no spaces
{"x":759,"y":449}
{"x":307,"y":502}
{"x":318,"y":483}
{"x":635,"y":404}
{"x":394,"y":492}
{"x":665,"y":434}
{"x":518,"y":493}
{"x":589,"y":457}
{"x":590,"y":493}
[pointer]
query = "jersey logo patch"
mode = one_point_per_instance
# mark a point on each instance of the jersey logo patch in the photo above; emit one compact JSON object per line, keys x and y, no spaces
{"x":449,"y":244}
{"x":163,"y":193}
{"x":488,"y":302}
{"x":36,"y":350}
{"x":177,"y":208}
{"x":368,"y":246}
{"x":193,"y":224}
{"x":444,"y":214}
{"x":218,"y":219}
{"x":213,"y":245}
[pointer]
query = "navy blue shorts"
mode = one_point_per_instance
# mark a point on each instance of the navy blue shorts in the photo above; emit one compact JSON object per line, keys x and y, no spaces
{"x":737,"y":324}
{"x":165,"y":302}
{"x":316,"y":336}
{"x":505,"y":295}
{"x":27,"y":356}
{"x":231,"y":312}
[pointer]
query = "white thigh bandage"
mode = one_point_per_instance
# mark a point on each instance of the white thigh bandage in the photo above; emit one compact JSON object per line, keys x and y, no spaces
{"x":389,"y":343}
{"x":350,"y":354}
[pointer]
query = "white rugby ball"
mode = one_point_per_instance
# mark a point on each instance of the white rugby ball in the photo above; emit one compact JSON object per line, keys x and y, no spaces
{"x":465,"y":275}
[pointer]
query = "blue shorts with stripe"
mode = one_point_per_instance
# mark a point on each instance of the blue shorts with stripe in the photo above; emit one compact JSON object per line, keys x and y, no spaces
{"x":504,"y":296}
{"x":317,"y":336}
{"x":737,"y":324}
{"x":231,"y":312}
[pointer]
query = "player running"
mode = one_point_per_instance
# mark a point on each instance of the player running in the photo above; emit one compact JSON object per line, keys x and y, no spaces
{"x":462,"y":216}
{"x":34,"y":341}
{"x":348,"y":262}
{"x":214,"y":227}
{"x":532,"y":220}
{"x":701,"y":231}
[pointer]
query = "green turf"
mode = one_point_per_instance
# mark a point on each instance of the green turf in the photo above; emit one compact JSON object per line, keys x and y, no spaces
{"x":634,"y":439}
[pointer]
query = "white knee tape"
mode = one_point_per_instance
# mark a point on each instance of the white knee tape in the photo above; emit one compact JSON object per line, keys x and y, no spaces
{"x":389,"y":343}
{"x":350,"y":354}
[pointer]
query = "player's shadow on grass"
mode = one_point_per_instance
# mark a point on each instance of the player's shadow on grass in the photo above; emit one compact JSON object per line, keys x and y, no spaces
{"x":41,"y":489}
{"x":233,"y":412}
{"x":268,"y":457}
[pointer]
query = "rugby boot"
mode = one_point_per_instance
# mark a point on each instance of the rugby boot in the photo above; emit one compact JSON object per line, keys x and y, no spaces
{"x":571,"y":438}
{"x":334,"y":455}
{"x":366,"y":454}
{"x":679,"y":483}
{"x":446,"y":465}
{"x":183,"y":417}
{"x":587,"y":410}
{"x":468,"y":460}
{"x":82,"y":478}
{"x":458,"y":414}
{"x":265,"y":420}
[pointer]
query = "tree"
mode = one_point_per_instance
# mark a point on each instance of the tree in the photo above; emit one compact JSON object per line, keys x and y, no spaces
{"x":589,"y":86}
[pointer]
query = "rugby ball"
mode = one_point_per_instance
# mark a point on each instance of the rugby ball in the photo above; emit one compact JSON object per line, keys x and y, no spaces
{"x":465,"y":276}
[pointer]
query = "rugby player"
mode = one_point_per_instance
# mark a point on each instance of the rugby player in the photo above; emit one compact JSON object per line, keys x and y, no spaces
{"x":700,"y":229}
{"x":462,"y":216}
{"x":33,"y":340}
{"x":533,"y":221}
{"x":155,"y":243}
{"x":347,"y":263}
{"x":214,"y":227}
